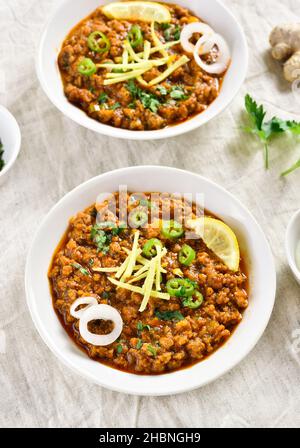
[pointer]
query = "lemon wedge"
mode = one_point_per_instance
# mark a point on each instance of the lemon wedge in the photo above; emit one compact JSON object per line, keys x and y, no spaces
{"x":136,"y":10}
{"x":219,"y":238}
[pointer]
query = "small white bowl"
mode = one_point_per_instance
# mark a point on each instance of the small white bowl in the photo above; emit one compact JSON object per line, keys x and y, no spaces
{"x":10,"y":136}
{"x":253,"y":244}
{"x":70,"y":12}
{"x":292,"y":238}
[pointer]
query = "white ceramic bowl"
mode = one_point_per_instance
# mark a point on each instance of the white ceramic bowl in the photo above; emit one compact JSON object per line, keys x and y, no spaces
{"x":11,"y":139}
{"x":70,"y":12}
{"x":292,"y":238}
{"x":152,"y":178}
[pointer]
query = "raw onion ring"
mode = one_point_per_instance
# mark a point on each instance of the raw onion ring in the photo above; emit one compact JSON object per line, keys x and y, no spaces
{"x":104,"y":312}
{"x":189,"y":30}
{"x":89,"y":301}
{"x":223,"y":57}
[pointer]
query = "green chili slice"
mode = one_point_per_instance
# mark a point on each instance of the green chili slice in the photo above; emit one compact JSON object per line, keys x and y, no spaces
{"x":86,"y":67}
{"x":193,"y":302}
{"x":171,"y":229}
{"x":138,"y":218}
{"x":98,"y":42}
{"x":186,"y":255}
{"x":180,"y":287}
{"x":149,"y":249}
{"x":135,"y":36}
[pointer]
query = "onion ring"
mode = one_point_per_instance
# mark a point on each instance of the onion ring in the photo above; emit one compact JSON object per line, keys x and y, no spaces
{"x":223,"y":57}
{"x":189,"y":30}
{"x":89,"y":301}
{"x":104,"y":312}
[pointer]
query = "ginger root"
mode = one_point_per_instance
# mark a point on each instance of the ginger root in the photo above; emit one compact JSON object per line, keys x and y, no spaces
{"x":285,"y":43}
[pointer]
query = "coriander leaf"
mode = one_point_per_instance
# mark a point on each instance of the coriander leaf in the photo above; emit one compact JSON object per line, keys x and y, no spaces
{"x":177,"y":32}
{"x":102,"y":98}
{"x":80,"y":268}
{"x":139,"y":344}
{"x":132,"y":88}
{"x":256,"y":113}
{"x":178,"y":93}
{"x":165,"y":26}
{"x":101,"y":239}
{"x":162,"y":90}
{"x":169,"y":315}
{"x":293,"y":127}
{"x":149,"y":100}
{"x":151,"y":349}
{"x":119,"y":348}
{"x":115,"y":106}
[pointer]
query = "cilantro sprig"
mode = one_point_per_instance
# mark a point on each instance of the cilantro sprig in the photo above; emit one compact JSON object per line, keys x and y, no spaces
{"x":265,"y":130}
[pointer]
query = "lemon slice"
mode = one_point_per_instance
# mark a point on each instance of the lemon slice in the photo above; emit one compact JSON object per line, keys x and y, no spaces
{"x":135,"y":10}
{"x":219,"y":238}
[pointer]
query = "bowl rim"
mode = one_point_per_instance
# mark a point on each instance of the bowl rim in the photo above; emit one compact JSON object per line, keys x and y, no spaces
{"x":289,"y":250}
{"x":17,"y":144}
{"x":124,"y":389}
{"x":168,"y":132}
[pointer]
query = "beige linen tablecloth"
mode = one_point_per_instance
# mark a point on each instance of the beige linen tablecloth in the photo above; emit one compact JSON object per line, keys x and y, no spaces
{"x":56,"y":155}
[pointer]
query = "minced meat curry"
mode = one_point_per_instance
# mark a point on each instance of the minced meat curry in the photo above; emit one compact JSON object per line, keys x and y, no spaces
{"x":93,"y":63}
{"x":195,"y":301}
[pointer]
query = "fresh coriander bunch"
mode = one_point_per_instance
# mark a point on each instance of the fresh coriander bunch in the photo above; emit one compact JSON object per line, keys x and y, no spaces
{"x":266,"y":130}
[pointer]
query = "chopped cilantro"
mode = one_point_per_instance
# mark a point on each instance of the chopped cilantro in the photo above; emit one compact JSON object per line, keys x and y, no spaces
{"x":80,"y":268}
{"x":178,"y":93}
{"x":141,"y":327}
{"x":165,"y":26}
{"x":177,"y":32}
{"x":171,"y":32}
{"x":101,"y":239}
{"x":115,"y":106}
{"x":169,"y":315}
{"x":149,"y":100}
{"x":102,"y":98}
{"x":139,"y":344}
{"x":119,"y":348}
{"x":162,"y":90}
{"x":151,"y":349}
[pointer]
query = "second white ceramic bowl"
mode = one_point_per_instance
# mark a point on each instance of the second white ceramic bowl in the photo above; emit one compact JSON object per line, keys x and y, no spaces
{"x":254,"y":246}
{"x":70,"y":12}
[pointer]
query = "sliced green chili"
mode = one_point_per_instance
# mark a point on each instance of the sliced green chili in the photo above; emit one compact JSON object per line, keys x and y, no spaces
{"x":186,"y":255}
{"x":135,"y":36}
{"x":149,"y":249}
{"x":98,"y":42}
{"x":86,"y":67}
{"x":138,"y":218}
{"x":194,"y":301}
{"x":171,"y":229}
{"x":180,"y":287}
